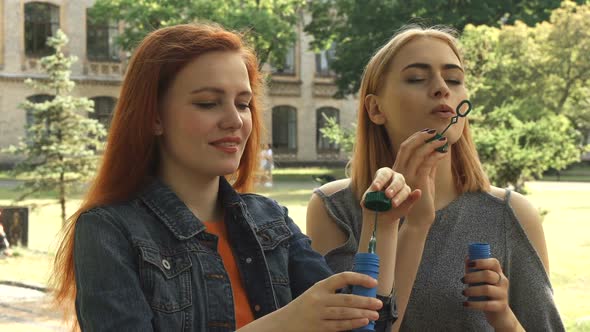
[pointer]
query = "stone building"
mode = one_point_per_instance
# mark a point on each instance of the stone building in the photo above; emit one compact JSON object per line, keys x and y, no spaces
{"x":298,"y":95}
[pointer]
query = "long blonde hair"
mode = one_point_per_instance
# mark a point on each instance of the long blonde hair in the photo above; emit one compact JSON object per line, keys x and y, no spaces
{"x":372,"y":148}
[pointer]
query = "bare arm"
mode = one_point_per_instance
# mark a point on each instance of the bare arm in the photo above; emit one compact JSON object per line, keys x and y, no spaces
{"x":324,"y":233}
{"x":529,"y":218}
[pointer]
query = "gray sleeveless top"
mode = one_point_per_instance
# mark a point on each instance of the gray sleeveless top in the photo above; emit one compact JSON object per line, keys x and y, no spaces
{"x":436,"y":302}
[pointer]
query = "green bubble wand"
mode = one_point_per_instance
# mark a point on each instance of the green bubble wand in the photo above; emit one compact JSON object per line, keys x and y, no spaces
{"x":454,"y":119}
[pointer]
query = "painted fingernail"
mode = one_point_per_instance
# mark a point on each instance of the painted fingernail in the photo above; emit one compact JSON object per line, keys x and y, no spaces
{"x":466,"y":304}
{"x":442,"y":139}
{"x":431,"y":131}
{"x":463,"y":292}
{"x":471,"y":264}
{"x":463,"y":280}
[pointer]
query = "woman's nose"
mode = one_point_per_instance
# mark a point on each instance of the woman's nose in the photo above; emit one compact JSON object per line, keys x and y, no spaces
{"x":440,"y":89}
{"x":232,"y":118}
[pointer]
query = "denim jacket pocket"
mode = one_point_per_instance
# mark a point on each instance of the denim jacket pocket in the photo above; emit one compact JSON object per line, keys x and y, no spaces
{"x":166,"y":279}
{"x":272,"y":234}
{"x":274,"y":238}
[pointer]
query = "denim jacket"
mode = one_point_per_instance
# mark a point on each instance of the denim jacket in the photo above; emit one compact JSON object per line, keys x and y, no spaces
{"x":149,"y":264}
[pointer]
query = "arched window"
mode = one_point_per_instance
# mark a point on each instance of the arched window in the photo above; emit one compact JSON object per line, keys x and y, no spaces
{"x":323,"y":144}
{"x":37,"y":99}
{"x":103,"y":110}
{"x":41,"y":22}
{"x":284,"y":128}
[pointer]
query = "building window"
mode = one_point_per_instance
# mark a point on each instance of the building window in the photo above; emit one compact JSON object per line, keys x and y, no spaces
{"x":284,"y":129}
{"x":323,"y":144}
{"x":41,"y":22}
{"x":103,"y":110}
{"x":100,"y":39}
{"x":287,"y":67}
{"x":323,"y":62}
{"x":36,"y":99}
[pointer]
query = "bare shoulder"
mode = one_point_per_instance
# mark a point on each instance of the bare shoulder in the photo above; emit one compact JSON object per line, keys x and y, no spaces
{"x":319,"y":223}
{"x":334,"y":186}
{"x":530,"y":220}
{"x":527,"y":214}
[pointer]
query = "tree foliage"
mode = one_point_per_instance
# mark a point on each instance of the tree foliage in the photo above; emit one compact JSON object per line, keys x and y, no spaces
{"x":344,"y":137}
{"x":513,"y":151}
{"x":59,"y":149}
{"x":530,"y":89}
{"x":358,"y":27}
{"x":269,"y":24}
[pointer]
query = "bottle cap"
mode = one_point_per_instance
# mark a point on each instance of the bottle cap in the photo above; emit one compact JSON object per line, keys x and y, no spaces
{"x":377,"y":201}
{"x":479,"y":251}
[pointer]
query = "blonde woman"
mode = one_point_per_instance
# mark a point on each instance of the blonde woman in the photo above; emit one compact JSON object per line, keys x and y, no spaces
{"x":409,"y":92}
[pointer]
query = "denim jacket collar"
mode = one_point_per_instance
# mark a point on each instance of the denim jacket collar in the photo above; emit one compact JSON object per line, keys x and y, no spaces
{"x":174,"y":213}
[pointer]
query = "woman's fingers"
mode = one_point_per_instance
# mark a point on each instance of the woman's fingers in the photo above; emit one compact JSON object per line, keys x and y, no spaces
{"x":417,"y":158}
{"x":349,"y":313}
{"x":492,"y":291}
{"x":407,"y":204}
{"x":484,"y":264}
{"x":351,"y":301}
{"x":487,"y":279}
{"x":343,"y":325}
{"x":383,"y":177}
{"x":490,"y":306}
{"x":343,"y":279}
{"x":488,"y":276}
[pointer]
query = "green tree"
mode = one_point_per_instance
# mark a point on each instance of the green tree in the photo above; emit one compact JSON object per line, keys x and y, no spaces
{"x":360,"y":27}
{"x":269,"y":24}
{"x":344,"y":137}
{"x":59,"y":150}
{"x":545,"y":68}
{"x":513,"y":151}
{"x":530,"y":89}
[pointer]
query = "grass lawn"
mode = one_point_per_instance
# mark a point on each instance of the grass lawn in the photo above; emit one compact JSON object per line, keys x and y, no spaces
{"x":566,"y":225}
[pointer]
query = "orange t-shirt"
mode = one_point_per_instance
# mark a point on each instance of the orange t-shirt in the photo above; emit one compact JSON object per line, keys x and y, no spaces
{"x":242,"y":308}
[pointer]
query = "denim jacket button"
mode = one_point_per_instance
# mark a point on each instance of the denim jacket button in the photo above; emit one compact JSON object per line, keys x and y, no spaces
{"x":166,"y":264}
{"x":257,"y":308}
{"x":248,"y":260}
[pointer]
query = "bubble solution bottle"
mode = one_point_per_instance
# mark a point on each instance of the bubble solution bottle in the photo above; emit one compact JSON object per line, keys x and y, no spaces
{"x":368,"y":263}
{"x":478,"y":251}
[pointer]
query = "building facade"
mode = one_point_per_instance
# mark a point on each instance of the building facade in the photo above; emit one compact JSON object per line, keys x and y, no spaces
{"x":299,"y":93}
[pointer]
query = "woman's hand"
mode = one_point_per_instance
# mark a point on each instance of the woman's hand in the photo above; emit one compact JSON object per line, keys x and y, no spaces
{"x":396,"y":190}
{"x":321,"y":309}
{"x":496,"y":309}
{"x":417,"y":161}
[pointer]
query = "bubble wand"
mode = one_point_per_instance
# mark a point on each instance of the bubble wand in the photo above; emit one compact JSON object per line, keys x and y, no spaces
{"x":454,"y":119}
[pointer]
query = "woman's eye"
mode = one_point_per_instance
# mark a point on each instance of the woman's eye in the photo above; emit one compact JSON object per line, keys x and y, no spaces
{"x":244,"y":106}
{"x":205,"y":105}
{"x":415,"y":80}
{"x":454,"y":82}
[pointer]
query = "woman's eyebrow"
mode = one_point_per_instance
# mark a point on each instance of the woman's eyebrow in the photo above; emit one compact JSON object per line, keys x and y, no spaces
{"x":219,"y":91}
{"x":427,"y":66}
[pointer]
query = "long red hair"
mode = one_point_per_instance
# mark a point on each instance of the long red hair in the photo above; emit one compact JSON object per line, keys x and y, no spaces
{"x":130,"y":157}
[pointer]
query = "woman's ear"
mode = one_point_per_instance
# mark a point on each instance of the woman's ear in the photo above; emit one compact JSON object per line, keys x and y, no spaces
{"x":373,"y":110}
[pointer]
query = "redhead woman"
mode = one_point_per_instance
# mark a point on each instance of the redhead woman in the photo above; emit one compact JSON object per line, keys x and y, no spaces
{"x":410,"y":90}
{"x":168,"y":239}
